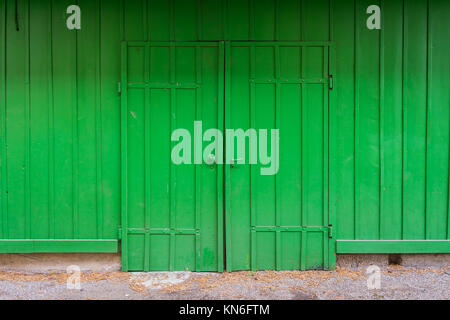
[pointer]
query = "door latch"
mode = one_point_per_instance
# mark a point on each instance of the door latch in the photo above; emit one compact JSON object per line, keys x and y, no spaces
{"x":330,"y":231}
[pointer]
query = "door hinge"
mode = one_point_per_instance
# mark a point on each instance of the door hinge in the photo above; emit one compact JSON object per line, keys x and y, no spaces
{"x":330,"y":82}
{"x":119,"y":87}
{"x":120,"y":232}
{"x":330,"y":231}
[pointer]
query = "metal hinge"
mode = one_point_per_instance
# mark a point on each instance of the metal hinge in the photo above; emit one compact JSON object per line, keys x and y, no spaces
{"x":120,"y":232}
{"x":330,"y":82}
{"x":330,"y":231}
{"x":119,"y":87}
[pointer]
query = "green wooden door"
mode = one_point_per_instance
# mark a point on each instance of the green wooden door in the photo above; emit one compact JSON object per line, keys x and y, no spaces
{"x":279,"y":221}
{"x":171,"y":213}
{"x":276,"y":197}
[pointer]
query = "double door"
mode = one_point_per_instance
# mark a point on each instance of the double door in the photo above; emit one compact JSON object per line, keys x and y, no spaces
{"x":225,"y":156}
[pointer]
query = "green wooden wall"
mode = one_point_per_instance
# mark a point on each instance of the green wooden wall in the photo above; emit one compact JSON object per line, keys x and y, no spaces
{"x":60,"y":107}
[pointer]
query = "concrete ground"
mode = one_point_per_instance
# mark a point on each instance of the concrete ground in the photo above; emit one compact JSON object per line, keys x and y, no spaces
{"x":396,"y":282}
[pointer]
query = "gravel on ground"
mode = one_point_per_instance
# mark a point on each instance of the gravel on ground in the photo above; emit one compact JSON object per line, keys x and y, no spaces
{"x":396,"y":282}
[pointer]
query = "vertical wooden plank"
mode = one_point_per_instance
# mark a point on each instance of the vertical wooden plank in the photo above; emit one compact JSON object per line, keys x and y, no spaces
{"x":211,"y":20}
{"x":135,"y":28}
{"x":253,"y":168}
{"x":313,"y":154}
{"x":404,"y":119}
{"x":199,"y":116}
{"x":415,"y":119}
{"x":3,"y":159}
{"x":263,"y":106}
{"x":315,"y":25}
{"x":303,"y":196}
{"x":251,"y":22}
{"x":110,"y":36}
{"x":381,"y":98}
{"x":75,"y":149}
{"x":313,"y":139}
{"x":136,"y":160}
{"x":98,"y":122}
{"x":64,"y":116}
{"x":145,"y":20}
{"x":85,"y":124}
{"x":51,"y":128}
{"x":438,"y":134}
{"x":263,"y":117}
{"x":225,"y":20}
{"x":238,"y":10}
{"x":357,"y":123}
{"x":440,"y":59}
{"x":329,"y":237}
{"x":159,"y":20}
{"x":17,"y":119}
{"x":159,"y":143}
{"x":325,"y":161}
{"x":147,"y":222}
{"x":263,"y":12}
{"x":199,"y":25}
{"x":173,"y":171}
{"x":39,"y":117}
{"x":428,"y":179}
{"x":147,"y":194}
{"x":26,"y":14}
{"x":219,"y":162}
{"x":342,"y":121}
{"x":332,"y":214}
{"x":303,"y":250}
{"x":185,"y":20}
{"x":288,"y":177}
{"x":391,"y":192}
{"x":124,"y":156}
{"x":134,"y":20}
{"x":173,"y":177}
{"x":288,"y":20}
{"x":331,"y":9}
{"x":276,"y":19}
{"x":171,"y":20}
{"x":302,"y":20}
{"x":122,"y":19}
{"x":227,"y":124}
{"x":277,"y":189}
{"x":369,"y":126}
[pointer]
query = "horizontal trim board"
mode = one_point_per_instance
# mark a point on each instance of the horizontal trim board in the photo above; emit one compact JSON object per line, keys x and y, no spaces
{"x":234,"y":43}
{"x":63,"y":246}
{"x":163,"y":231}
{"x":172,"y":44}
{"x":160,"y":85}
{"x":393,"y":246}
{"x":282,"y":43}
{"x":290,"y":229}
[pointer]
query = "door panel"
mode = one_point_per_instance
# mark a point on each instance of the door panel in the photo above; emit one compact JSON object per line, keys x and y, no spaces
{"x":171,"y":213}
{"x":279,"y":221}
